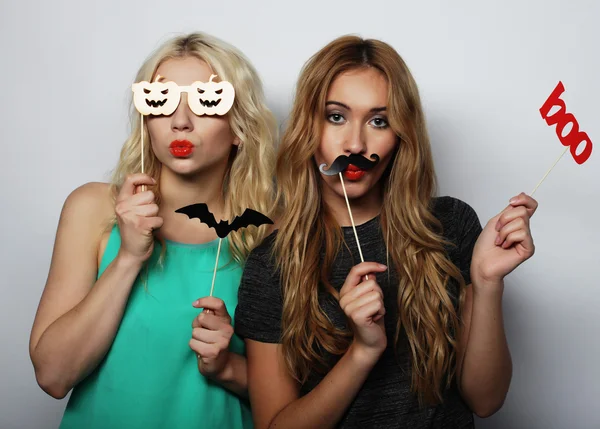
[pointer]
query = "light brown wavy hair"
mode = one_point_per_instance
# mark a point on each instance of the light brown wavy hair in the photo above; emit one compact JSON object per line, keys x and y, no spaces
{"x":248,"y":182}
{"x":413,"y":235}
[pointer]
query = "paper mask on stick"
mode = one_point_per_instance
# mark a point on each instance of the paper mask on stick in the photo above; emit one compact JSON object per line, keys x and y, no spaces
{"x":162,"y":98}
{"x":561,"y":119}
{"x":223,"y":228}
{"x":340,"y":164}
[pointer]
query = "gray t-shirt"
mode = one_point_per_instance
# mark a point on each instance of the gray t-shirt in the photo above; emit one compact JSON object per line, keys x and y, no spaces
{"x":385,"y":399}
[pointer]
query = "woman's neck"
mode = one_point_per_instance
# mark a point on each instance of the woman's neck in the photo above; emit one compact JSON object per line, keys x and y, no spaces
{"x":178,"y":191}
{"x":363,"y":209}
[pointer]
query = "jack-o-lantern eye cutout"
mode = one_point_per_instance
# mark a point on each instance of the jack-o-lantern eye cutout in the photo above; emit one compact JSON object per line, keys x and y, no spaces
{"x":211,"y":98}
{"x":156,"y":98}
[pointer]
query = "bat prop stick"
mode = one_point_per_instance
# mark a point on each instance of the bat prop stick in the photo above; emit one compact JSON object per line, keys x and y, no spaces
{"x":142,"y":145}
{"x":548,"y":172}
{"x":216,"y":265}
{"x":352,"y":221}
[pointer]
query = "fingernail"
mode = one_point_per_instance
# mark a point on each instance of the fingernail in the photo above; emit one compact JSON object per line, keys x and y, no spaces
{"x":195,"y":303}
{"x":497,"y":240}
{"x":513,"y":200}
{"x":382,"y":266}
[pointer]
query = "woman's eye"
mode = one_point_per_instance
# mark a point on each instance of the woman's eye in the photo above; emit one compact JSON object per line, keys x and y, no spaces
{"x":379,"y":122}
{"x":336,"y":118}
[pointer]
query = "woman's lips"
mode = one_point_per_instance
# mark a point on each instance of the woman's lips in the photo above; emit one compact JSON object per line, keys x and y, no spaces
{"x":181,"y":148}
{"x":352,"y":172}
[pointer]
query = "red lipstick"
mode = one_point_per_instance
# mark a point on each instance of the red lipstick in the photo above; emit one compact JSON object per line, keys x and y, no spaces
{"x":181,"y":148}
{"x":352,"y":172}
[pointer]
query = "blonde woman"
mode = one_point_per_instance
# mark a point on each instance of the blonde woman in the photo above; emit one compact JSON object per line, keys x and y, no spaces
{"x":411,"y":338}
{"x":120,"y":320}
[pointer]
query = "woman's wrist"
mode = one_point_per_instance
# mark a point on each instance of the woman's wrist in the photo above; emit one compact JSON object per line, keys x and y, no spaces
{"x":364,"y":357}
{"x":127,"y":261}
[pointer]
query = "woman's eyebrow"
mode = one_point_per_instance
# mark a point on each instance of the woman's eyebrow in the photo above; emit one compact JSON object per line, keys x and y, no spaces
{"x":378,"y":109}
{"x":345,"y":106}
{"x":337,"y":103}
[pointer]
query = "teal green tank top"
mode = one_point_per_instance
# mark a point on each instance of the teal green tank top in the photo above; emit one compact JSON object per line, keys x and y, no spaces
{"x":149,"y":378}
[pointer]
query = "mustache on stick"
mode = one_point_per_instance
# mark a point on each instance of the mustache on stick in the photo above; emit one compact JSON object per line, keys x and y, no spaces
{"x":343,"y":161}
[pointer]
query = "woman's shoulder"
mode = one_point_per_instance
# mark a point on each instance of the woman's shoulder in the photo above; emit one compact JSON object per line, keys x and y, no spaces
{"x":90,"y":209}
{"x":455,"y":214}
{"x":450,"y":206}
{"x":92,"y":193}
{"x":261,"y":274}
{"x":262,"y":255}
{"x":92,"y":202}
{"x":260,"y":299}
{"x":86,"y":217}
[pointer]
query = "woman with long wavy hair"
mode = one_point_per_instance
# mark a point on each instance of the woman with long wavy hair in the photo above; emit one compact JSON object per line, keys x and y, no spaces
{"x":120,"y":320}
{"x":411,"y":338}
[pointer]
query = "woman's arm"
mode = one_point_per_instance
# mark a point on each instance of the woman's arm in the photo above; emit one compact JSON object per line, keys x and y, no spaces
{"x":274,"y":394}
{"x":234,"y":376}
{"x":78,"y":317}
{"x":484,"y":364}
{"x":485,"y":367}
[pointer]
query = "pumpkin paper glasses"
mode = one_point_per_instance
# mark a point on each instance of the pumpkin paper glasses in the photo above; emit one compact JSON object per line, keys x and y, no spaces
{"x":162,"y":98}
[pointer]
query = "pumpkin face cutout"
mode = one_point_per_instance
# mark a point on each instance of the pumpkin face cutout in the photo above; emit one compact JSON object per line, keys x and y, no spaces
{"x":211,"y":98}
{"x":156,"y":98}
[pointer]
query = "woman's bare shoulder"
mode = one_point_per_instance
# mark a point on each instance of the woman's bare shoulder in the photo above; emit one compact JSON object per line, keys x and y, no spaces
{"x":90,"y":207}
{"x":93,"y":199}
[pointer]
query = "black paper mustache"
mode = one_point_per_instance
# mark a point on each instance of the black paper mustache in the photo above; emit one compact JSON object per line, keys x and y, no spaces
{"x":343,"y":161}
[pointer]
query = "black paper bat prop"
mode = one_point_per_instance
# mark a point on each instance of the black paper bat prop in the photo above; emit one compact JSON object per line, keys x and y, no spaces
{"x":223,"y":228}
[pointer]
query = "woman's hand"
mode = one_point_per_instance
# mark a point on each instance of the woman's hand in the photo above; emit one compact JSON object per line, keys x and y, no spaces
{"x":211,"y":335}
{"x":137,"y":218}
{"x":362,"y":302}
{"x":505,"y":242}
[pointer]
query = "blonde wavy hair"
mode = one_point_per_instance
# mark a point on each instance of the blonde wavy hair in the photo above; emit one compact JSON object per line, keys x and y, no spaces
{"x":413,"y":235}
{"x":248,"y":183}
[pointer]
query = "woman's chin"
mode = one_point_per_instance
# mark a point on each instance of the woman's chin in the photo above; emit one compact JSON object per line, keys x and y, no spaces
{"x":354,"y":189}
{"x":184,"y":167}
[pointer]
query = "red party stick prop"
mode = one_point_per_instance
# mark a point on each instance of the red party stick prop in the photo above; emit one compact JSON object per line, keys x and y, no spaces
{"x":561,"y":119}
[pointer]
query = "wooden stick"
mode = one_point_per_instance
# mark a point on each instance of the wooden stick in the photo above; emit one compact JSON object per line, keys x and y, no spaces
{"x":352,"y":221}
{"x":142,"y":144}
{"x":216,"y":265}
{"x":548,"y":172}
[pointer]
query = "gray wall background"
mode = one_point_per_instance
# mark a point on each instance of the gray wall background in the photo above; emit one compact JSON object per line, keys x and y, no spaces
{"x":484,"y":69}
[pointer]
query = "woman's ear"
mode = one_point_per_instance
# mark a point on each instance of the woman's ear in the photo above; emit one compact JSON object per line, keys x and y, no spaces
{"x":237,"y":142}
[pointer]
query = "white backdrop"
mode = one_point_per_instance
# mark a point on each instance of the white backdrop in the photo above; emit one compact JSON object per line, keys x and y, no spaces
{"x":483,"y":68}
